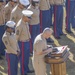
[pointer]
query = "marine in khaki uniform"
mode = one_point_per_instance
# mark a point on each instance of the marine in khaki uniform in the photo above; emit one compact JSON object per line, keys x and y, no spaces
{"x":12,"y":48}
{"x":51,"y":2}
{"x":2,"y":13}
{"x":8,"y":8}
{"x":58,"y":18}
{"x":45,"y":16}
{"x":16,"y":13}
{"x":2,"y":22}
{"x":23,"y":37}
{"x":34,"y":21}
{"x":44,"y":5}
{"x":40,"y":50}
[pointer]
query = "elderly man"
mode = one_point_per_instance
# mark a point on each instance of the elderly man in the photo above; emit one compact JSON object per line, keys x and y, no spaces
{"x":40,"y":50}
{"x":12,"y":48}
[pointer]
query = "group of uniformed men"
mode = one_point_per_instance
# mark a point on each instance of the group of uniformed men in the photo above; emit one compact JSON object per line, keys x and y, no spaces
{"x":28,"y":18}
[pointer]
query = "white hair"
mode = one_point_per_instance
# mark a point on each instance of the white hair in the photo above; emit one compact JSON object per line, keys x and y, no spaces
{"x":46,"y":30}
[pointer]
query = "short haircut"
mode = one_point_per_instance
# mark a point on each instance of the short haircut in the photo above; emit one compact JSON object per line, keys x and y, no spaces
{"x":47,"y":30}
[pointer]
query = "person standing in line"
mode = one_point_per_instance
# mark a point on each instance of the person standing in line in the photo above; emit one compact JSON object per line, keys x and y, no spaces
{"x":58,"y":18}
{"x":34,"y":23}
{"x":16,"y":13}
{"x":51,"y":11}
{"x":73,"y":17}
{"x":2,"y":23}
{"x":23,"y":37}
{"x":12,"y":48}
{"x":70,"y":9}
{"x":8,"y":8}
{"x":45,"y":16}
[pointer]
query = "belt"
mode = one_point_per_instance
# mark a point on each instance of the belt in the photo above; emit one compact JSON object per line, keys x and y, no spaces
{"x":24,"y":40}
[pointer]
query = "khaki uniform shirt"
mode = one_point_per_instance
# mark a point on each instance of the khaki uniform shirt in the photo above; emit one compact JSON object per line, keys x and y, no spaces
{"x":58,"y":2}
{"x":10,"y":42}
{"x":2,"y":15}
{"x":38,"y":60}
{"x":8,"y":8}
{"x":51,"y":2}
{"x":35,"y":17}
{"x":22,"y":31}
{"x":39,"y":45}
{"x":44,"y":5}
{"x":16,"y":14}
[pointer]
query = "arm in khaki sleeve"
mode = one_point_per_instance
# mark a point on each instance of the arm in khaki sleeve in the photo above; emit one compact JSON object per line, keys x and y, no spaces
{"x":8,"y":46}
{"x":48,"y":50}
{"x":18,"y":50}
{"x":6,"y":13}
{"x":51,"y":2}
{"x":40,"y":49}
{"x":18,"y":32}
{"x":18,"y":47}
{"x":3,"y":15}
{"x":13,"y":16}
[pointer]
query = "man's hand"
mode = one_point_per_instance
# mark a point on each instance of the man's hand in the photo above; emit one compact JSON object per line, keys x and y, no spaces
{"x":49,"y":46}
{"x":45,"y":51}
{"x":48,"y":50}
{"x":18,"y":53}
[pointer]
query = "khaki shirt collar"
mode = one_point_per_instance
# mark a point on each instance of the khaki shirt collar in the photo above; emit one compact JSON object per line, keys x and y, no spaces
{"x":19,"y":7}
{"x":10,"y":4}
{"x":42,"y":37}
{"x":7,"y":33}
